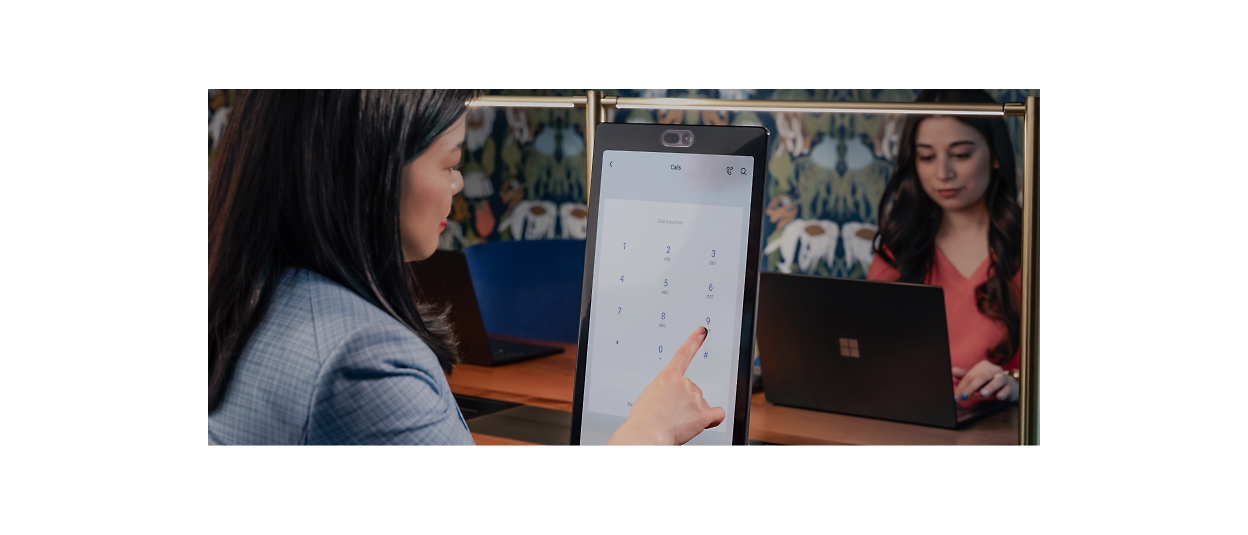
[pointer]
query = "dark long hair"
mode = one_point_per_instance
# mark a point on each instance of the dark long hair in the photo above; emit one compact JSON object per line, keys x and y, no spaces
{"x":909,"y":219}
{"x":312,"y":180}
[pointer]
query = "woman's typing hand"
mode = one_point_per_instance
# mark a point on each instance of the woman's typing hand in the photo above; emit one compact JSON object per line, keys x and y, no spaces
{"x":984,"y":380}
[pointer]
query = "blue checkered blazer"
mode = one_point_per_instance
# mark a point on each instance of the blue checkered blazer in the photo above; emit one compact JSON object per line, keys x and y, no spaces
{"x":328,"y":367}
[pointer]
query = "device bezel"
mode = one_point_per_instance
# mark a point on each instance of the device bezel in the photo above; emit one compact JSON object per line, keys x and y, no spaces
{"x":715,"y":140}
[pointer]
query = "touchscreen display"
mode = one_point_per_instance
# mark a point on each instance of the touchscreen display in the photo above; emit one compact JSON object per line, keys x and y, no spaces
{"x":669,"y":256}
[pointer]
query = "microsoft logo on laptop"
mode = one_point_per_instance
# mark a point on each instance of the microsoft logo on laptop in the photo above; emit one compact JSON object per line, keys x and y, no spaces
{"x":849,"y":347}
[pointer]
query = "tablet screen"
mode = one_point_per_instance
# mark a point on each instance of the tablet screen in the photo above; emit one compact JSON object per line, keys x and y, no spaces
{"x":669,"y":256}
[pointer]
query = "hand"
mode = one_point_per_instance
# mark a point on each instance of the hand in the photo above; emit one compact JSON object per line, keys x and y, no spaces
{"x":984,"y":380}
{"x":671,"y":409}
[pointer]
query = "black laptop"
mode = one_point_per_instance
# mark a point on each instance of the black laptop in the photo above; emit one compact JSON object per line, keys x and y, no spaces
{"x":444,"y":278}
{"x":866,"y":348}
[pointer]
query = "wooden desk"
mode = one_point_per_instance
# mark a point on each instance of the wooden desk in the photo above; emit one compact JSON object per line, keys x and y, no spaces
{"x":548,"y":382}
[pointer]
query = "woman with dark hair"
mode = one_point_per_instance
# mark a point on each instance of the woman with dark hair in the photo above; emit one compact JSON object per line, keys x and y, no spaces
{"x":317,"y":201}
{"x":950,"y":217}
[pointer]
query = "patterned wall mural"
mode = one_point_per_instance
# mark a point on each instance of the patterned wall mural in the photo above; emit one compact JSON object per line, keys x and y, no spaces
{"x":524,"y":171}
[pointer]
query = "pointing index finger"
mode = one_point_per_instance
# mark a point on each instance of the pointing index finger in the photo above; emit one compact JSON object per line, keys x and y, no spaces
{"x":684,"y":355}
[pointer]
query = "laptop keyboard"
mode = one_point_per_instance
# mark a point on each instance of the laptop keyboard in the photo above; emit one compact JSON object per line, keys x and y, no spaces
{"x":979,"y":409}
{"x":507,"y":352}
{"x":964,"y":412}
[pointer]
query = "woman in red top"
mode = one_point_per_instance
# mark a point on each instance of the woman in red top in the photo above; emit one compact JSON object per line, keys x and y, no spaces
{"x":950,"y":218}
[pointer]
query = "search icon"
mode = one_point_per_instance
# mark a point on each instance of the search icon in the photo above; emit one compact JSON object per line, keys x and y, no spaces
{"x":743,"y":170}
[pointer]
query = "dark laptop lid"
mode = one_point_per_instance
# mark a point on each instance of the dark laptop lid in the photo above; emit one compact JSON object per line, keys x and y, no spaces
{"x":444,"y":279}
{"x":864,"y":348}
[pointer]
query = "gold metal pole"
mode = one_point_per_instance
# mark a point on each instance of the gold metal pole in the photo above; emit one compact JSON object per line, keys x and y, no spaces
{"x":527,"y":102}
{"x":1029,"y":355}
{"x":593,"y":116}
{"x":807,"y":106}
{"x":799,"y":106}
